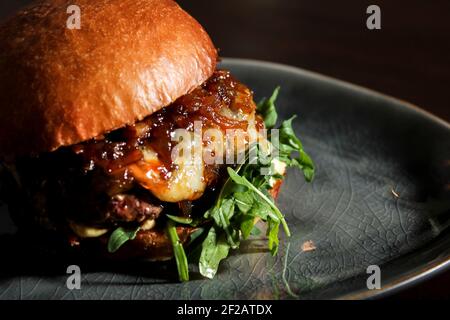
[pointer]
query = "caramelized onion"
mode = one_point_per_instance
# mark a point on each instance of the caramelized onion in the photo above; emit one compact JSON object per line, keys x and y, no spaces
{"x":221,"y":102}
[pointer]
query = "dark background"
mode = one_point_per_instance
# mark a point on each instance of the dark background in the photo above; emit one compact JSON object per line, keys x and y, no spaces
{"x":408,"y":58}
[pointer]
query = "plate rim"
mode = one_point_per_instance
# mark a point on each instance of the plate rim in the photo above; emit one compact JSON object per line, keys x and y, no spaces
{"x":342,"y":83}
{"x":415,"y":275}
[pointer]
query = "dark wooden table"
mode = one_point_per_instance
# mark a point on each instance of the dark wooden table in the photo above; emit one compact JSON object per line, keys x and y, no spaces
{"x":408,"y":58}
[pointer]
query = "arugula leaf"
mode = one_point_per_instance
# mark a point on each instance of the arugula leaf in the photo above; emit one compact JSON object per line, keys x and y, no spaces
{"x":246,"y":225}
{"x":214,"y":249}
{"x":272,"y":234}
{"x":119,"y":237}
{"x":263,"y":210}
{"x":178,"y":251}
{"x":287,"y":135}
{"x":244,"y":201}
{"x":181,"y":220}
{"x":266,"y":108}
{"x":243,"y":181}
{"x":222,"y":215}
{"x":288,"y":143}
{"x":305,"y":164}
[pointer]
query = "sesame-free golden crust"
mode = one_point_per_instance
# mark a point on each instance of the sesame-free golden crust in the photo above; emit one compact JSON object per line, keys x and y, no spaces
{"x":61,"y":86}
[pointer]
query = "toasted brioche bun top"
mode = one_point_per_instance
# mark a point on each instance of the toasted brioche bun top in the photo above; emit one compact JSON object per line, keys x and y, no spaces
{"x":61,"y":86}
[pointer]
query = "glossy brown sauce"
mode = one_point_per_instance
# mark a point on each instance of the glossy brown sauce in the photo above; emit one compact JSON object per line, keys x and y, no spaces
{"x":115,"y":152}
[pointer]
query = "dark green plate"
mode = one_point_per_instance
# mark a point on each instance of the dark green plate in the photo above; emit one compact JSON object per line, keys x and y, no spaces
{"x":381,"y":197}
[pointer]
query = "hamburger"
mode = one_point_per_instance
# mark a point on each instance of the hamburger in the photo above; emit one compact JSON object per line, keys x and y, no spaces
{"x":89,"y":122}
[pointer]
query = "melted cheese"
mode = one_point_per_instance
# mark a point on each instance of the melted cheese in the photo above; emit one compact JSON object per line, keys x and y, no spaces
{"x":186,"y":180}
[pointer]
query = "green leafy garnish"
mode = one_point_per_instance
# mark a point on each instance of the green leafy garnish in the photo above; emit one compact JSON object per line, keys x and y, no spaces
{"x":214,"y":248}
{"x":244,"y":200}
{"x":272,"y":235}
{"x":178,"y":251}
{"x":246,"y":225}
{"x":243,"y":181}
{"x":181,"y":220}
{"x":266,"y":108}
{"x":119,"y":237}
{"x":289,"y":143}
